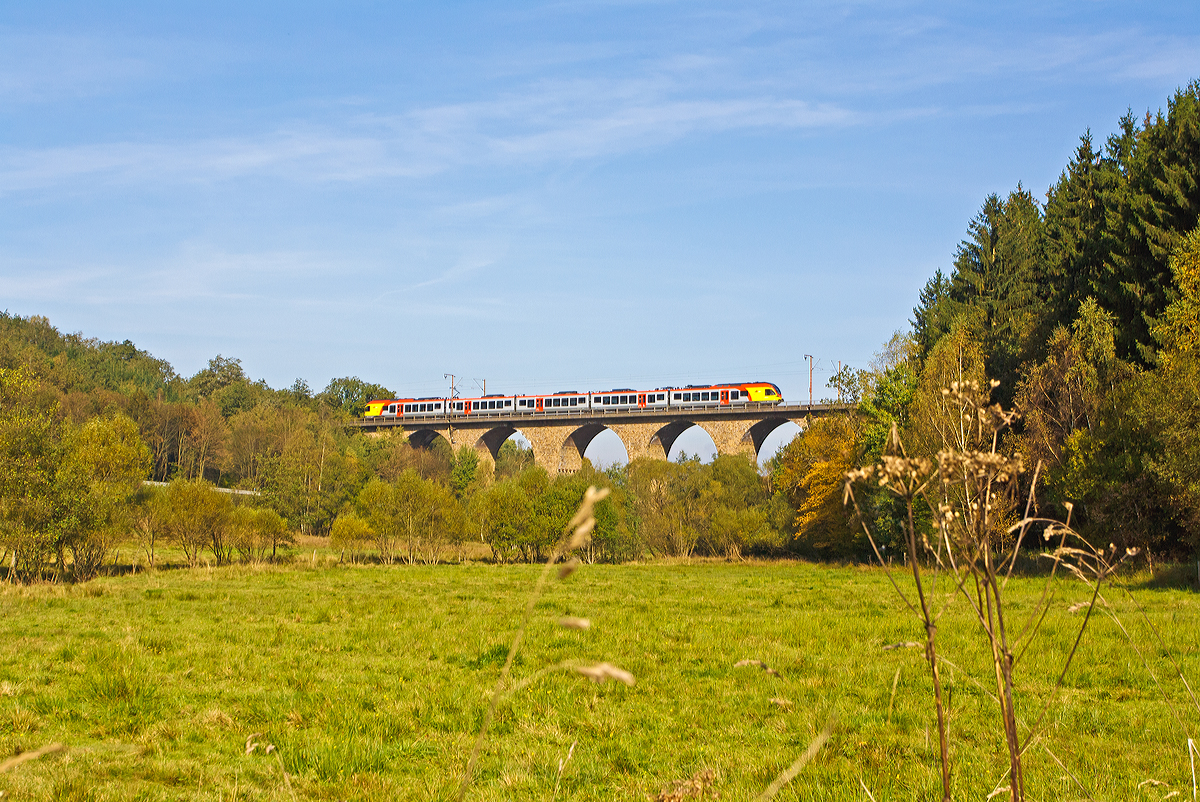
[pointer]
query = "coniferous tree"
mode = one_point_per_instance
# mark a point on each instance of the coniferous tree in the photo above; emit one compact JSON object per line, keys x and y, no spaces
{"x":1151,"y":219}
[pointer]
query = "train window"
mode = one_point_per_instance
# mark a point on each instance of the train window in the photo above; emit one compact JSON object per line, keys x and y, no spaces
{"x":733,"y":395}
{"x":437,"y":405}
{"x":491,"y":404}
{"x":424,"y":408}
{"x":703,"y":396}
{"x":573,"y":401}
{"x":407,"y":408}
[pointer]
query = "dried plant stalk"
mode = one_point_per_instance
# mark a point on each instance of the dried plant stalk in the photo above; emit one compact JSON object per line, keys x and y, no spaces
{"x":578,"y":533}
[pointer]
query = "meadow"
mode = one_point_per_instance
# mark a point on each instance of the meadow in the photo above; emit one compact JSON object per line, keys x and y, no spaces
{"x":322,"y":680}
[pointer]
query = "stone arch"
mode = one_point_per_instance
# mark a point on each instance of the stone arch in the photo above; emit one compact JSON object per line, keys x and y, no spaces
{"x":757,"y":434}
{"x":488,"y":444}
{"x":425,"y":438}
{"x":570,"y":453}
{"x":666,"y":436}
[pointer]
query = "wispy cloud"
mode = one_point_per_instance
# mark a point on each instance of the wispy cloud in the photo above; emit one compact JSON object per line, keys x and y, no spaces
{"x":546,"y":124}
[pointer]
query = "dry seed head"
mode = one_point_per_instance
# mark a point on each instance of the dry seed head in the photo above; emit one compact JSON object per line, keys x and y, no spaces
{"x":591,"y":498}
{"x":980,"y":465}
{"x":568,"y":568}
{"x":758,"y":664}
{"x":582,"y":535}
{"x":571,"y":622}
{"x":603,"y":671}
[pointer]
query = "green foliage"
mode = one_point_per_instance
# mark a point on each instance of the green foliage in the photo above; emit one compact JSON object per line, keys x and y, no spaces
{"x":411,"y":518}
{"x":29,"y":453}
{"x":73,"y":363}
{"x":257,"y":534}
{"x":351,"y":395}
{"x":889,"y":404}
{"x":466,"y":461}
{"x":1159,"y":206}
{"x":933,"y":314}
{"x":998,"y":281}
{"x":220,"y":374}
{"x":512,"y":459}
{"x":100,"y":471}
{"x":351,"y":533}
{"x":197,"y":519}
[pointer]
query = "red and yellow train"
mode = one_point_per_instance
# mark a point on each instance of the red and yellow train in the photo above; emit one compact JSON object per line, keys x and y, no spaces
{"x":620,"y":400}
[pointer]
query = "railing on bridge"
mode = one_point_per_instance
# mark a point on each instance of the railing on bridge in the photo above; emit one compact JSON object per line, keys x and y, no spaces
{"x":791,"y":410}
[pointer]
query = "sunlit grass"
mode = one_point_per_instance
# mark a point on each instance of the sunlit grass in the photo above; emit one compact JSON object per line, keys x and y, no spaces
{"x":371,"y":681}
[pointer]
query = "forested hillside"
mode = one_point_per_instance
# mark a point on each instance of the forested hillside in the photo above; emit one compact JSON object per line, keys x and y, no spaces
{"x":1085,"y":308}
{"x":85,"y":422}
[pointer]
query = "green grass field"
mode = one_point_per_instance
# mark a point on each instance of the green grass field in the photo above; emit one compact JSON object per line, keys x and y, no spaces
{"x":371,"y":682}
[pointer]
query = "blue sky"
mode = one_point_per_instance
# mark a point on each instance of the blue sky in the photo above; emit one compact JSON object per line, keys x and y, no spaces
{"x":561,"y":195}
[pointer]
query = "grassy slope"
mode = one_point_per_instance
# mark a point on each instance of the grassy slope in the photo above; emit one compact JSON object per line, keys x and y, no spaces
{"x":371,"y":682}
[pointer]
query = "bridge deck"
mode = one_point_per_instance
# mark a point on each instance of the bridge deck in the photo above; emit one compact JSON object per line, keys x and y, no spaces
{"x":752,"y":411}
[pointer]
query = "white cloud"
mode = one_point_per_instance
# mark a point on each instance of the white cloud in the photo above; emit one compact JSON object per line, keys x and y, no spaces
{"x":548,"y":123}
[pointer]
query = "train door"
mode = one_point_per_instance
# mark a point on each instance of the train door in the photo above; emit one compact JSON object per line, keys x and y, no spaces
{"x":642,"y":400}
{"x":725,"y":397}
{"x":467,"y":407}
{"x":539,"y":405}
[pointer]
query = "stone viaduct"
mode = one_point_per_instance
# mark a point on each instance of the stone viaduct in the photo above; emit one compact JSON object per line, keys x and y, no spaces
{"x":560,"y":438}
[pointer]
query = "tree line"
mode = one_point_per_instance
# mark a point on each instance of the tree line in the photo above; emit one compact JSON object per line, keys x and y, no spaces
{"x":89,"y":426}
{"x":1085,"y":309}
